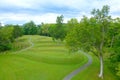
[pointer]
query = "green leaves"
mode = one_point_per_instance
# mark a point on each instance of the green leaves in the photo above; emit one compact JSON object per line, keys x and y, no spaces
{"x":6,"y":38}
{"x":101,"y":14}
{"x":118,"y":70}
{"x":90,"y":32}
{"x":72,"y":23}
{"x":58,"y":31}
{"x":59,"y":20}
{"x":8,"y":34}
{"x":30,"y":28}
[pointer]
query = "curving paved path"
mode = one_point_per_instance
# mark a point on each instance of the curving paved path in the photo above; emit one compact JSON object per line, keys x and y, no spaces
{"x":75,"y":72}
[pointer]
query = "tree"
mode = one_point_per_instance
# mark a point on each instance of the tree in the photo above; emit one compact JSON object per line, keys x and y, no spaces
{"x":52,"y":31}
{"x":9,"y":29}
{"x":58,"y":31}
{"x":6,"y":38}
{"x":39,"y":30}
{"x":91,"y":34}
{"x":114,"y":48}
{"x":45,"y":29}
{"x":17,"y":31}
{"x":115,"y":57}
{"x":30,"y":28}
{"x":59,"y":21}
{"x":72,"y":23}
{"x":8,"y":34}
{"x":103,"y":21}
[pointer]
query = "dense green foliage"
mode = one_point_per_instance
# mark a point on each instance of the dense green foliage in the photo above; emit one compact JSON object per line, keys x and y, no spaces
{"x":30,"y":28}
{"x":88,"y":33}
{"x":72,"y":23}
{"x":5,"y":38}
{"x":44,"y":29}
{"x":114,"y":59}
{"x":17,"y":31}
{"x":98,"y":34}
{"x":8,"y":34}
{"x":58,"y":31}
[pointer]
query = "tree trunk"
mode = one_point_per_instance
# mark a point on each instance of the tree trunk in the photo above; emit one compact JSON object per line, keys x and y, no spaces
{"x":101,"y":66}
{"x":101,"y":53}
{"x":101,"y":59}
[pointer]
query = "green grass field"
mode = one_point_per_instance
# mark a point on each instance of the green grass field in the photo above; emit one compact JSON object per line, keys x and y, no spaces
{"x":92,"y":72}
{"x":46,"y":60}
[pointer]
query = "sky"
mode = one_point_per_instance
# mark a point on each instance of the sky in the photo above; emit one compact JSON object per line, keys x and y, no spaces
{"x":46,"y":11}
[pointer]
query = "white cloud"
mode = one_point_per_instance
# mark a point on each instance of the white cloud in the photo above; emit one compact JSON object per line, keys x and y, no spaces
{"x":46,"y":18}
{"x":37,"y":10}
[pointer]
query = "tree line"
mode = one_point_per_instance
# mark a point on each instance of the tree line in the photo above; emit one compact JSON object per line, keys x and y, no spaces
{"x":98,"y":34}
{"x":8,"y":34}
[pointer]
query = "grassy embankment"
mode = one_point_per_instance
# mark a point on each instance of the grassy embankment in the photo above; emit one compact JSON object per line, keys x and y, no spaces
{"x":46,"y":60}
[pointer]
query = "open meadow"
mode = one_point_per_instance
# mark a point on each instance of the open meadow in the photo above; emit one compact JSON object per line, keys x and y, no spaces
{"x":45,"y":60}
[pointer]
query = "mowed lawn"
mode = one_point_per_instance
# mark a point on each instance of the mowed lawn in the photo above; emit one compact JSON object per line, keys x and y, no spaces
{"x":92,"y":72}
{"x":46,"y":60}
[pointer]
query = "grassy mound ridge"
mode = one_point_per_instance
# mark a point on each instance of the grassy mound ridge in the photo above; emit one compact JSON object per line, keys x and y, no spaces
{"x":46,"y":60}
{"x":45,"y":50}
{"x":20,"y":43}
